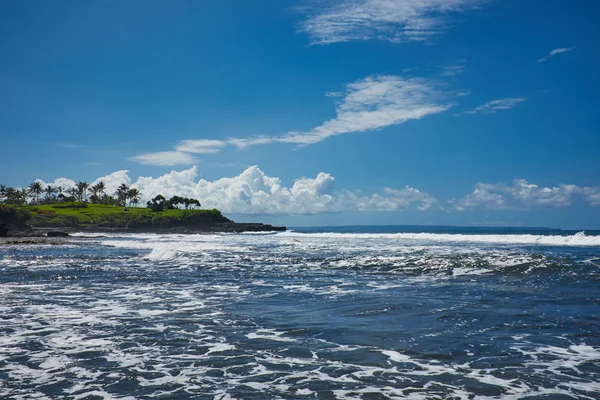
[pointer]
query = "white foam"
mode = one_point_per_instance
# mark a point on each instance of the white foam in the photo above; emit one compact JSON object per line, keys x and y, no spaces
{"x":579,"y":239}
{"x":269,"y":334}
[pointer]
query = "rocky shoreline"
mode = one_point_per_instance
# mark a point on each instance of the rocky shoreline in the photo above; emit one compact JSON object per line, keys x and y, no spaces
{"x":58,"y":236}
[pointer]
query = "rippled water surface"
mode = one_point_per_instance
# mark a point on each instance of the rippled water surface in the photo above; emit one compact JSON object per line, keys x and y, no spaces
{"x":302,"y":315}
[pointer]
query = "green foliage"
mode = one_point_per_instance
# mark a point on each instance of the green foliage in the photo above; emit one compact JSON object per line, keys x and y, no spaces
{"x":45,"y":212}
{"x":14,"y":215}
{"x":44,"y":220}
{"x":80,"y":214}
{"x":73,"y":204}
{"x":160,"y":221}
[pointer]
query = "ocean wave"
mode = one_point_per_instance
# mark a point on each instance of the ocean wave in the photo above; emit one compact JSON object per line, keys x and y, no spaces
{"x":579,"y":239}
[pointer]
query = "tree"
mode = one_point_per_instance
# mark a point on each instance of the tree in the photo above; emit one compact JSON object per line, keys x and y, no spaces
{"x":195,"y":202}
{"x":101,"y":187}
{"x":157,"y":204}
{"x":122,"y":193}
{"x":94,"y":194}
{"x":36,"y":189}
{"x":49,"y":191}
{"x":22,"y":195}
{"x":14,"y":196}
{"x":134,"y":195}
{"x":73,"y":192}
{"x":81,"y":190}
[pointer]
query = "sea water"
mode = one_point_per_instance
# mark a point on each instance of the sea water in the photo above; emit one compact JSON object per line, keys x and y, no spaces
{"x":330,"y":313}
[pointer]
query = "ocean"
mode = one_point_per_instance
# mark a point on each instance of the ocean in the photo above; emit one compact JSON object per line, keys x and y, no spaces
{"x":322,"y":313}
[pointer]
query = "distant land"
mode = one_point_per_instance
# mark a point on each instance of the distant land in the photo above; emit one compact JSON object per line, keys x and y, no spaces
{"x":19,"y":220}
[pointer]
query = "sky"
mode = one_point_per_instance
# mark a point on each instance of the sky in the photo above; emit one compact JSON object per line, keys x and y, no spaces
{"x":345,"y":112}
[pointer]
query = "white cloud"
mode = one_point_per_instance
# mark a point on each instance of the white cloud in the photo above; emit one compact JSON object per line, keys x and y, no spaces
{"x":592,"y":195}
{"x":164,"y":158}
{"x":555,"y":52}
{"x":453,"y":69}
{"x":113,"y":181}
{"x":200,"y":146}
{"x":522,"y":194}
{"x":253,"y":192}
{"x":369,"y":104}
{"x":63,"y":183}
{"x":391,"y":200}
{"x":496,"y":105}
{"x":389,"y":20}
{"x":479,"y":198}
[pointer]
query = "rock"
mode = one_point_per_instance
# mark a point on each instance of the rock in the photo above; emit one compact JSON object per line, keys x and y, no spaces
{"x":57,"y":234}
{"x":3,"y":229}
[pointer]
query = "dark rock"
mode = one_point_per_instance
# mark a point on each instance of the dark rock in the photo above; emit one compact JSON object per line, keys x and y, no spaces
{"x":3,"y":229}
{"x":57,"y":234}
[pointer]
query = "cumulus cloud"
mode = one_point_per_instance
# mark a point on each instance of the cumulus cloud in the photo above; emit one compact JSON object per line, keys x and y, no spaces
{"x":164,"y":158}
{"x":522,"y":194}
{"x":389,"y":20}
{"x":63,"y":183}
{"x":113,"y":181}
{"x":592,"y":195}
{"x":479,"y":198}
{"x":253,"y":192}
{"x":555,"y":52}
{"x":496,"y":105}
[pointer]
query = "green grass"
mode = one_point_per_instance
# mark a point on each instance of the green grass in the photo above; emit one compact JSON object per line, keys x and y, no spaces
{"x":79,"y":214}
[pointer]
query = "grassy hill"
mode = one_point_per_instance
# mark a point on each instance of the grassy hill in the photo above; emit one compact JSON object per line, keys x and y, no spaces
{"x":107,"y":216}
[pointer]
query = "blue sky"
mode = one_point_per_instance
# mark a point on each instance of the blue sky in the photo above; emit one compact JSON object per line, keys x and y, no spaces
{"x":463,"y":112}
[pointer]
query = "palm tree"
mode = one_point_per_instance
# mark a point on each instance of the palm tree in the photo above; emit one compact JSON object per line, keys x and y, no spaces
{"x":134,"y":195}
{"x":36,"y":189}
{"x":73,"y":192}
{"x":81,"y":190}
{"x":122,"y":193}
{"x":94,"y":193}
{"x":49,"y":192}
{"x":13,"y":196}
{"x":22,"y":195}
{"x":101,"y":187}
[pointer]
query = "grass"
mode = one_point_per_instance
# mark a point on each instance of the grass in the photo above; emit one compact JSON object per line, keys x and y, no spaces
{"x":80,"y":214}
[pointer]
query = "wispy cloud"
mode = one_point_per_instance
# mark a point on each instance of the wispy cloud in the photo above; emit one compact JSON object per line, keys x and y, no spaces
{"x":389,"y":20}
{"x":70,"y":145}
{"x":164,"y":158}
{"x":200,"y":146}
{"x":555,"y":52}
{"x":524,"y":195}
{"x":453,"y":69}
{"x":496,"y":105}
{"x":369,"y":104}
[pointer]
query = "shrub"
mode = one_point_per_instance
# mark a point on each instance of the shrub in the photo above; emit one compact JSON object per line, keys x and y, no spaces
{"x":160,"y":221}
{"x":45,"y":212}
{"x":74,"y":204}
{"x":55,"y":221}
{"x":139,"y":221}
{"x":14,"y":217}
